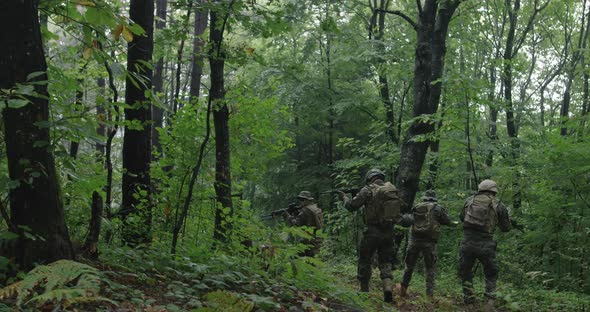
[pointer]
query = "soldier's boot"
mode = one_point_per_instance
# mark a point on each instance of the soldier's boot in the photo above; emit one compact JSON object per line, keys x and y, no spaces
{"x":403,"y":291}
{"x":364,"y":285}
{"x":387,"y":290}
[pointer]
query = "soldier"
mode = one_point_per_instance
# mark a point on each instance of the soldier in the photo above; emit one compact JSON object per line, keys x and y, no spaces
{"x":480,"y":215}
{"x":309,"y":215}
{"x":428,"y":216}
{"x":381,"y":212}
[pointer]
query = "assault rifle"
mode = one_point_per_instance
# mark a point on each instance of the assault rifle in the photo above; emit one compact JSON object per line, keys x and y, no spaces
{"x":292,"y":208}
{"x":353,"y":191}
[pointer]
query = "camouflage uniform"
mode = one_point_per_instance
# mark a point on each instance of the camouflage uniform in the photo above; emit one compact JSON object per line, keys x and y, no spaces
{"x":479,"y":245}
{"x":425,"y":244}
{"x":310,"y":215}
{"x":377,"y":237}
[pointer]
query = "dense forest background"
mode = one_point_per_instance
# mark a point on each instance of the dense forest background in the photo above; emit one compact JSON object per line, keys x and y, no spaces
{"x":147,"y":138}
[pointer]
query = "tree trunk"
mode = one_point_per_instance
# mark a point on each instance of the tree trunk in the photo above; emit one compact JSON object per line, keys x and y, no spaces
{"x":91,"y":245}
{"x":571,"y":75}
{"x":508,"y":56}
{"x":137,"y":142}
{"x":221,"y":122}
{"x":383,"y":82}
{"x":75,"y":144}
{"x":100,"y":116}
{"x":428,"y":67}
{"x":35,"y":204}
{"x":198,"y":45}
{"x":158,"y":82}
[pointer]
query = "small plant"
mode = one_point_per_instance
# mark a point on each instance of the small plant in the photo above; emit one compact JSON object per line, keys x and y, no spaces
{"x":61,"y":283}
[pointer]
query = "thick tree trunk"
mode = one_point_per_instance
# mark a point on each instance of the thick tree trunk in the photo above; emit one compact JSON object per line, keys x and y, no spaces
{"x":158,"y":82}
{"x":428,"y":67}
{"x":221,"y":123}
{"x":137,"y":142}
{"x":198,"y":44}
{"x":35,"y":204}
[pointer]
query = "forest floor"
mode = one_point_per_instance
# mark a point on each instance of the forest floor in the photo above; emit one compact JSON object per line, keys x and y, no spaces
{"x":153,"y":281}
{"x":233,"y":291}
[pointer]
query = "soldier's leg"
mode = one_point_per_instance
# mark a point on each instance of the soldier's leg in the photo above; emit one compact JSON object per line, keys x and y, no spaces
{"x":411,"y":258}
{"x":366,"y":250}
{"x":430,"y":266}
{"x":466,"y":261}
{"x":490,"y":268}
{"x":385,"y":250}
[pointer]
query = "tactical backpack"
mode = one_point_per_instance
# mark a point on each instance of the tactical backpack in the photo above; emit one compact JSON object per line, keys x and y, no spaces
{"x":480,"y":213}
{"x":424,"y":223}
{"x":385,"y":205}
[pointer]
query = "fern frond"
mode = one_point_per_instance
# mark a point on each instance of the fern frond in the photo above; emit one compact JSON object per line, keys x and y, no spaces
{"x":63,"y":281}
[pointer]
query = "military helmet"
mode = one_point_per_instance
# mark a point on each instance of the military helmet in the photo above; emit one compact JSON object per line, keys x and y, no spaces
{"x":429,"y":195}
{"x":305,"y":195}
{"x":374,"y":173}
{"x":488,"y":185}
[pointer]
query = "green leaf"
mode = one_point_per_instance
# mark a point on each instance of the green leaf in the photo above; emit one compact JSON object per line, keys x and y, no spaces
{"x":18,"y":103}
{"x":34,"y":75}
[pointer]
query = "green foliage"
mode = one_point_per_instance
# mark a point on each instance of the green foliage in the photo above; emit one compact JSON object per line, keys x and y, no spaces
{"x":63,"y":282}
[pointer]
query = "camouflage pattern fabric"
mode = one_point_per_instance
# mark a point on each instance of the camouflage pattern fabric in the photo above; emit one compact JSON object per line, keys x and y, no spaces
{"x":479,"y":245}
{"x":428,"y":251}
{"x":425,"y":245}
{"x":485,"y":251}
{"x":311,"y":216}
{"x":377,"y":239}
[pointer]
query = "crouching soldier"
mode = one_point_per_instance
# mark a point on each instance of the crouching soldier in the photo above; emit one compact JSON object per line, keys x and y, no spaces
{"x":480,"y":215}
{"x":428,"y":217}
{"x":382,"y":206}
{"x":310,"y":216}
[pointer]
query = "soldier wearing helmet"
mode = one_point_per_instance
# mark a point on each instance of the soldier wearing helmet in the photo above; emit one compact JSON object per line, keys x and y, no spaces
{"x":428,"y":216}
{"x":480,"y":215}
{"x":310,"y":216}
{"x":378,"y":236}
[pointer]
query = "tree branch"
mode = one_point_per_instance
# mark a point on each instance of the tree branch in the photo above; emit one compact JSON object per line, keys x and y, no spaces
{"x":402,"y":15}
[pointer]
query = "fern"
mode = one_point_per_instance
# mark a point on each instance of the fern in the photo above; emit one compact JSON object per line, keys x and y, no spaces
{"x":64,"y":281}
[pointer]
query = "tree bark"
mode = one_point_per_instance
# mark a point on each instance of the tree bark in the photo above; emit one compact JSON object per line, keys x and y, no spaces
{"x":75,"y":144}
{"x":571,"y":74}
{"x":100,"y":116}
{"x":198,"y":45}
{"x":382,"y":77}
{"x":137,"y":142}
{"x":36,"y":204}
{"x":91,"y":244}
{"x":432,"y":31}
{"x":218,"y":19}
{"x":158,"y":82}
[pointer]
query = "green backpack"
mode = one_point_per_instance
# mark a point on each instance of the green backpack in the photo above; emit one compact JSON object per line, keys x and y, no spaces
{"x":480,"y":213}
{"x":424,"y":223}
{"x":385,"y":206}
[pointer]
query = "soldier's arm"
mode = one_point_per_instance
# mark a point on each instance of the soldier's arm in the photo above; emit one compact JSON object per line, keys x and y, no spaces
{"x":503,"y":218}
{"x":441,"y":215}
{"x":462,"y":215}
{"x":302,"y":218}
{"x":358,"y":201}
